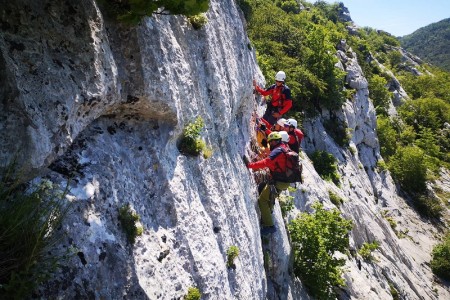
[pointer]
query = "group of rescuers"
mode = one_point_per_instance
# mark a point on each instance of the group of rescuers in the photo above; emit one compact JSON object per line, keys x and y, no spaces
{"x":281,"y":133}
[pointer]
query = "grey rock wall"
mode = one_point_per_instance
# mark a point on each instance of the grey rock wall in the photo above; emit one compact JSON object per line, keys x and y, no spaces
{"x":104,"y":104}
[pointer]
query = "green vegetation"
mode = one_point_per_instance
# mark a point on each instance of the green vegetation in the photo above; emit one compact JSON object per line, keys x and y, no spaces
{"x":326,"y":166}
{"x":407,"y":165}
{"x":366,"y":250}
{"x":132,"y":11}
{"x":190,"y":142}
{"x":129,"y":221}
{"x":286,"y":204}
{"x":335,"y":199}
{"x":198,"y":21}
{"x":392,"y":223}
{"x":381,"y":165}
{"x":436,"y":85}
{"x":207,"y":152}
{"x":440,"y":262}
{"x":430,"y":43}
{"x":371,"y":43}
{"x":393,"y":290}
{"x":414,"y":145}
{"x":412,"y":157}
{"x":379,"y":94}
{"x":193,"y":294}
{"x":417,"y":143}
{"x":338,"y":131}
{"x":315,"y":239}
{"x":302,"y":43}
{"x":232,"y":253}
{"x":388,"y":137}
{"x":30,"y":217}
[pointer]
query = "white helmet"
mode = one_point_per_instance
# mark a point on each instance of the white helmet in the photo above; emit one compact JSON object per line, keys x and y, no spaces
{"x":281,"y":76}
{"x":282,"y":122}
{"x":284,"y":136}
{"x":292,"y":122}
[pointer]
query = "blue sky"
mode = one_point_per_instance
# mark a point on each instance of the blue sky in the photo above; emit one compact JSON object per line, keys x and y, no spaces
{"x":398,"y":17}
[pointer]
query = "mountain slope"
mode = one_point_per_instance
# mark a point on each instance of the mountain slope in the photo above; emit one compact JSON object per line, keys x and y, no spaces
{"x":431,"y":43}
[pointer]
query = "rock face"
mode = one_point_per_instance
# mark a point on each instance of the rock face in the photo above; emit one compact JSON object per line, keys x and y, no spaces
{"x":105,"y":105}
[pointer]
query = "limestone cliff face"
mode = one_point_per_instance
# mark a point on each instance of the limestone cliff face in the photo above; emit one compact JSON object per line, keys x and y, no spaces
{"x":105,"y":104}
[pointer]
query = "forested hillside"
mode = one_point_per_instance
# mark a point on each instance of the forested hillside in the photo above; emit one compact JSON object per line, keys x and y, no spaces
{"x":431,"y":43}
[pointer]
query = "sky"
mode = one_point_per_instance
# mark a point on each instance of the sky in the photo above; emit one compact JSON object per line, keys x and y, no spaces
{"x":398,"y":17}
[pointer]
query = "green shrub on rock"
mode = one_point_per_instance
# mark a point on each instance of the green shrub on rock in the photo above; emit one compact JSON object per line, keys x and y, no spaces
{"x":190,"y":142}
{"x":315,"y":239}
{"x":30,"y":216}
{"x":325,"y":165}
{"x":128,"y":219}
{"x":198,"y":21}
{"x":193,"y":294}
{"x":440,"y":262}
{"x":232,"y":253}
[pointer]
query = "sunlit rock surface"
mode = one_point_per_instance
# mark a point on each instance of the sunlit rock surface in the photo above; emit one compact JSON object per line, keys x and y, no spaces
{"x":104,"y":105}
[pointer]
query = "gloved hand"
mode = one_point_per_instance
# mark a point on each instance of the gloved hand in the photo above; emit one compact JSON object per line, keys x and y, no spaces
{"x":263,"y":127}
{"x":246,"y":160}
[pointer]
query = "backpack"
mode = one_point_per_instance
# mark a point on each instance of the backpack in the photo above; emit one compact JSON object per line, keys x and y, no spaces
{"x":293,"y":172}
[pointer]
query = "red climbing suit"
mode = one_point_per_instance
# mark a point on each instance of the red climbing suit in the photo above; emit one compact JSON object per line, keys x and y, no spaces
{"x":275,"y":161}
{"x":295,"y":139}
{"x":281,"y":97}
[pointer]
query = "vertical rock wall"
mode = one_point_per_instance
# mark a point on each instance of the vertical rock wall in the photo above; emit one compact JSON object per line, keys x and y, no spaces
{"x":104,"y":104}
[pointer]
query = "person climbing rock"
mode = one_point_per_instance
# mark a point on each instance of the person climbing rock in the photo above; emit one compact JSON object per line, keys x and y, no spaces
{"x":295,"y":135}
{"x":281,"y":100}
{"x":276,"y":162}
{"x":263,"y":132}
{"x":280,"y":125}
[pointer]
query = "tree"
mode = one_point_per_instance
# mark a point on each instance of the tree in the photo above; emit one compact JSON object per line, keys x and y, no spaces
{"x":409,"y":169}
{"x":315,"y":239}
{"x":379,"y":93}
{"x":440,"y":262}
{"x":387,"y":137}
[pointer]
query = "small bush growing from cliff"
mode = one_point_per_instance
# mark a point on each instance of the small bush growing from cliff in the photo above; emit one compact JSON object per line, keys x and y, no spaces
{"x":381,"y":165}
{"x":30,"y":216}
{"x":440,"y":262}
{"x":198,"y":21}
{"x":315,"y":239}
{"x":338,"y":131}
{"x":190,"y":142}
{"x":286,"y":204}
{"x":366,"y":250}
{"x":232,"y":253}
{"x":128,"y":218}
{"x":193,"y":294}
{"x":335,"y":199}
{"x":393,"y":290}
{"x":326,"y":165}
